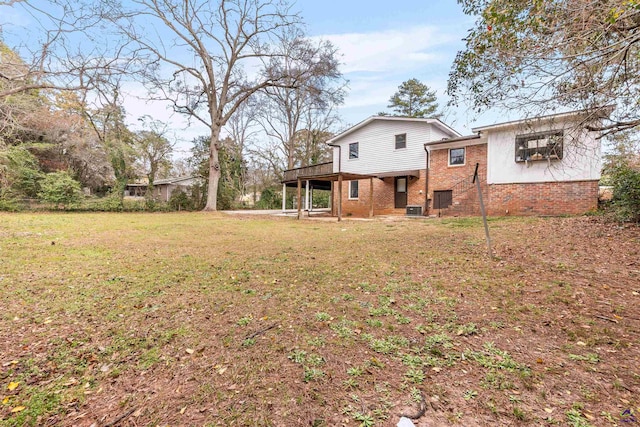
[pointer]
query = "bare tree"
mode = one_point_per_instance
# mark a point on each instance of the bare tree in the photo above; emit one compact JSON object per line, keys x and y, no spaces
{"x":153,"y":149}
{"x":105,"y":113}
{"x":65,"y":49}
{"x":205,"y":56}
{"x":292,"y":116}
{"x":242,"y":131}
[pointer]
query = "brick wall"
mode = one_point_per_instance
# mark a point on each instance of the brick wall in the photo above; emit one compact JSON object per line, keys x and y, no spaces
{"x":384,"y":196}
{"x":546,"y":198}
{"x":445,"y":177}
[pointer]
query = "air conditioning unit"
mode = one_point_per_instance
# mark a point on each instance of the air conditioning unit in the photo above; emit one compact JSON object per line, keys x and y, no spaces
{"x":414,"y":210}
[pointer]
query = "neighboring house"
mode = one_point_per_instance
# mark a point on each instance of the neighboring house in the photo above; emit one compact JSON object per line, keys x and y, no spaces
{"x":389,"y":165}
{"x":162,"y":188}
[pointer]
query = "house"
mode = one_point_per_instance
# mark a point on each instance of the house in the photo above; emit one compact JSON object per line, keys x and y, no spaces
{"x":391,"y":165}
{"x":162,"y":188}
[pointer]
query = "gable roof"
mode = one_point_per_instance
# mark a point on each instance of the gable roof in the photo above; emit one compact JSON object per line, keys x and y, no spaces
{"x":435,"y":122}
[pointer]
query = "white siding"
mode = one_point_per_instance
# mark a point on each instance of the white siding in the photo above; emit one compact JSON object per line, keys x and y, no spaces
{"x":377,"y":153}
{"x":581,"y":157}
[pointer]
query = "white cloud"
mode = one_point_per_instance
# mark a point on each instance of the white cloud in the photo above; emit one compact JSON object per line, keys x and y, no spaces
{"x":376,"y":62}
{"x":384,"y":51}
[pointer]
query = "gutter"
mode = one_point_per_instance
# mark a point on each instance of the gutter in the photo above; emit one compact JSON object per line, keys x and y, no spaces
{"x":426,"y":183}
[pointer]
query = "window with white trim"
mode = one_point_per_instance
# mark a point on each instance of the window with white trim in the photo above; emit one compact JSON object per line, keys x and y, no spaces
{"x":539,"y":146}
{"x":353,"y":150}
{"x":457,"y":156}
{"x":353,"y":190}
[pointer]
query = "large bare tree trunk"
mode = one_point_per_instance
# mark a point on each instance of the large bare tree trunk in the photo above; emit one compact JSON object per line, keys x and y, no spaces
{"x":214,"y":171}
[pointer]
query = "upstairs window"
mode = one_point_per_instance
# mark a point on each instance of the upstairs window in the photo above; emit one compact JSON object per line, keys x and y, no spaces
{"x":539,"y":146}
{"x":353,"y":190}
{"x":401,"y":141}
{"x":353,"y":150}
{"x":456,"y":156}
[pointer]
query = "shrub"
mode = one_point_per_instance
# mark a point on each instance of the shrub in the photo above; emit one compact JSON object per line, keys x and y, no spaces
{"x":8,"y":201}
{"x":180,"y":201}
{"x":269,"y":199}
{"x":626,"y":192}
{"x":60,"y":189}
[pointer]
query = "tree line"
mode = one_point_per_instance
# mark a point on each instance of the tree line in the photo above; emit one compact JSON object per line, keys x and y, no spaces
{"x":267,"y":93}
{"x":243,"y":68}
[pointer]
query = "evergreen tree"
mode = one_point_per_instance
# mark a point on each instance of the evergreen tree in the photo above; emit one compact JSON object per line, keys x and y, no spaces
{"x":414,"y":99}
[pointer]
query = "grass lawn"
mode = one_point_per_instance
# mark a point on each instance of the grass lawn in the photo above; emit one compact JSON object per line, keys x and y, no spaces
{"x":205,"y":319}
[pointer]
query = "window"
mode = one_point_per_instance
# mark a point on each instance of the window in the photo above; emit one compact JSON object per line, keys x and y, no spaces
{"x":401,"y":141}
{"x":456,"y":156}
{"x":539,"y":146}
{"x":353,"y":190}
{"x":353,"y":150}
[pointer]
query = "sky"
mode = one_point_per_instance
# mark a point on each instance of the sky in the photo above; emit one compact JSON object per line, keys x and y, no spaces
{"x":386,"y":43}
{"x":381,"y":45}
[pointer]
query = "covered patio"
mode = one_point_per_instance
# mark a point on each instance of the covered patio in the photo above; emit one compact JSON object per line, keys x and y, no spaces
{"x":322,"y":177}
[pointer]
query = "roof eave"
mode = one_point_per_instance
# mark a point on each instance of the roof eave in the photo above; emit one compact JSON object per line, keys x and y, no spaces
{"x":539,"y":119}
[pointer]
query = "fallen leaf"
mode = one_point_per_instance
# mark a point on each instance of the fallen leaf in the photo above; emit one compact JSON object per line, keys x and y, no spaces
{"x":183,"y":409}
{"x":6,"y":400}
{"x":222,"y":371}
{"x":47,"y":321}
{"x":12,"y":386}
{"x":583,"y":344}
{"x":539,"y":360}
{"x":589,"y":417}
{"x":13,"y":362}
{"x":18,"y":409}
{"x":189,"y":350}
{"x":548,"y":410}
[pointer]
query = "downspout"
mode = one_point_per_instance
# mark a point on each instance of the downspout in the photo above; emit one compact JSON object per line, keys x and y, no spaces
{"x":426,"y":183}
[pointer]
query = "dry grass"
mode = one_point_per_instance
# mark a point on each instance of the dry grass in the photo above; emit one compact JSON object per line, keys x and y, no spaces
{"x":200,"y":319}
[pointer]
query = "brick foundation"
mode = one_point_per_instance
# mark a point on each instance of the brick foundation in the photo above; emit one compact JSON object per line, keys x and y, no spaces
{"x":546,"y":198}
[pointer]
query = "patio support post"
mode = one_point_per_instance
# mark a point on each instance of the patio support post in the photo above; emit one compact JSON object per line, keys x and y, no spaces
{"x":331,"y":204}
{"x":370,"y":197}
{"x":299,"y":195}
{"x":306,"y":197}
{"x":284,"y":197}
{"x":339,"y":197}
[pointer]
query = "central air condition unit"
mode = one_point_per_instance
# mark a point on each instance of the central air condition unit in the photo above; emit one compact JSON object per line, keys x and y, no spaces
{"x":414,"y":210}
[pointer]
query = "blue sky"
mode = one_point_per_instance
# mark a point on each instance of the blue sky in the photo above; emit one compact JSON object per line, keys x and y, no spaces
{"x":382,"y":44}
{"x":386,"y":43}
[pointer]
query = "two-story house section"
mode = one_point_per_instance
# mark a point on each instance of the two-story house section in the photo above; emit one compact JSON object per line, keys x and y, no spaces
{"x":547,"y":165}
{"x":391,"y":151}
